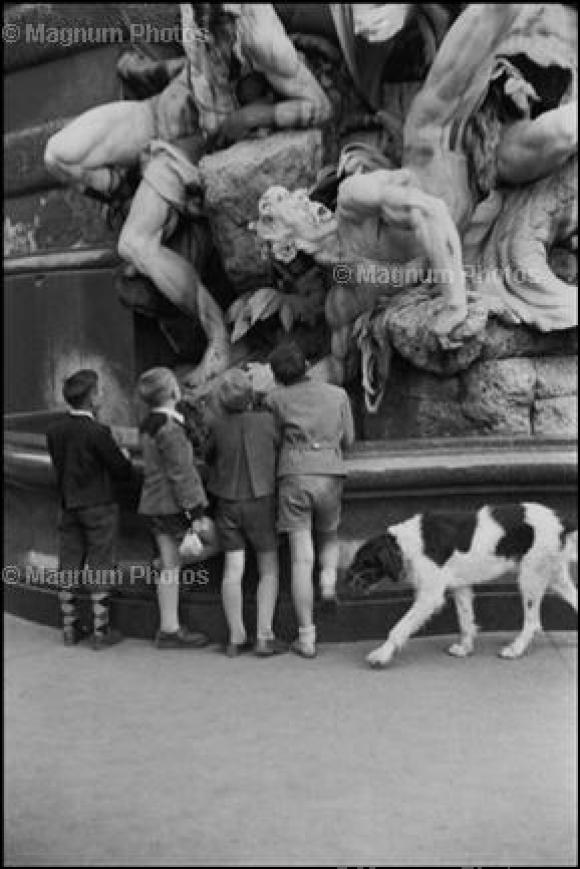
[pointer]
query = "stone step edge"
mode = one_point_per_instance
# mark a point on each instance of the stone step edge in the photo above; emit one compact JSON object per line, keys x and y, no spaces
{"x":498,"y":609}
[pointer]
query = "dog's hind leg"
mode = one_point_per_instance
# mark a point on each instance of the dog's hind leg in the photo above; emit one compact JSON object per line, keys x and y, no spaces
{"x":463,"y":598}
{"x":532,"y":586}
{"x":428,"y":601}
{"x":562,"y":585}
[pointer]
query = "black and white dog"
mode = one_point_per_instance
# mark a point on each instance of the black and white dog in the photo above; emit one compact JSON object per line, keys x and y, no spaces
{"x":453,"y":551}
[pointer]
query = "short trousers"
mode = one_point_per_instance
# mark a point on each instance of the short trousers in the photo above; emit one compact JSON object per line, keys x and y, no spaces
{"x":172,"y":525}
{"x":304,"y":499}
{"x":249,"y":519}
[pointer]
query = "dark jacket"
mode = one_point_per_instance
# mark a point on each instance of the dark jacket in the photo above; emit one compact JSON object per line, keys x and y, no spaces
{"x":87,"y":461}
{"x":315,"y":424}
{"x":171,"y":481}
{"x":242,"y":455}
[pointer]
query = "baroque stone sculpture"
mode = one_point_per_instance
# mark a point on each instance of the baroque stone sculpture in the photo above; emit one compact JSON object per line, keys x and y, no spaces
{"x":432,"y":196}
{"x":196,"y":112}
{"x":487,"y":188}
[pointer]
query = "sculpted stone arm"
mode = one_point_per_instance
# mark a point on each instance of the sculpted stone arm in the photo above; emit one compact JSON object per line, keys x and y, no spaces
{"x":528,"y":150}
{"x":458,"y":65}
{"x":404,"y":206}
{"x":271,"y":52}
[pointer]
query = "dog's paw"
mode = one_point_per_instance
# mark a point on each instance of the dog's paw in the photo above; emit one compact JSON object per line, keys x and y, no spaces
{"x":511,"y":652}
{"x":379,"y":658}
{"x":458,"y":650}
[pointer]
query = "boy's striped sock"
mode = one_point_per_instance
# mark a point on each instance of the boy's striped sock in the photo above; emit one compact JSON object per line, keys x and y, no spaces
{"x":100,"y":604}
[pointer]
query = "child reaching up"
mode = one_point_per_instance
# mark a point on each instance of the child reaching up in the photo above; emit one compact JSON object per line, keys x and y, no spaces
{"x":242,"y":458}
{"x":173,"y":497}
{"x":315,"y":424}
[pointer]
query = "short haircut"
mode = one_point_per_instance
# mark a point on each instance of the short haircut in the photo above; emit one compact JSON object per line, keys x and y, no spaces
{"x":77,"y":388}
{"x":288,"y":363}
{"x":156,"y":385}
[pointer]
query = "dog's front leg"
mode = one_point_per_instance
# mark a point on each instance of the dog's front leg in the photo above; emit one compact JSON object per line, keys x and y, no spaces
{"x":532,"y":586}
{"x":427,"y":602}
{"x":463,"y":598}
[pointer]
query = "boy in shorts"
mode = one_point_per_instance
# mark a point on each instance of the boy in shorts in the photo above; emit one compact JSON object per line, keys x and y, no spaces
{"x":242,"y":458}
{"x":314,"y":422}
{"x":172,"y":498}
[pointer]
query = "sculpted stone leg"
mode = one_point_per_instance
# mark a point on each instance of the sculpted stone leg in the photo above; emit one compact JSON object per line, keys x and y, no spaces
{"x":450,"y":94}
{"x":141,"y":244}
{"x":85,"y":152}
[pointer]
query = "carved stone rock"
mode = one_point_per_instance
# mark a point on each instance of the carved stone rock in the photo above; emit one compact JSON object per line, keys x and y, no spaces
{"x":408,"y":320}
{"x":234,"y":180}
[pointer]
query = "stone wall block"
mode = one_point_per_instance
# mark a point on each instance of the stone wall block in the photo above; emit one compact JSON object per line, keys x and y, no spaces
{"x":505,"y":342}
{"x":556,"y":377}
{"x":498,"y":395}
{"x":556,"y":417}
{"x":234,"y":180}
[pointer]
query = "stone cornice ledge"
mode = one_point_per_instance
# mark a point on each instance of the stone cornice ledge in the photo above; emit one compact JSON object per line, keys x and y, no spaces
{"x":373,"y":468}
{"x":462,"y":463}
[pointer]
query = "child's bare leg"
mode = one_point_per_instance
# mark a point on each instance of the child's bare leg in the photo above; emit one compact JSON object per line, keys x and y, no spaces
{"x":267,"y":592}
{"x":232,"y":595}
{"x":302,"y":564}
{"x":328,"y":557}
{"x":168,"y":584}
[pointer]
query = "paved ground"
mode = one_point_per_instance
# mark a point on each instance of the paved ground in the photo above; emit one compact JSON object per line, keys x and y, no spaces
{"x":136,"y":757}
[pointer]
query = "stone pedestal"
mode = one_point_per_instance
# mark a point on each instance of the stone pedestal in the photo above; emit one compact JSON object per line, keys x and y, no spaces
{"x":522,"y":383}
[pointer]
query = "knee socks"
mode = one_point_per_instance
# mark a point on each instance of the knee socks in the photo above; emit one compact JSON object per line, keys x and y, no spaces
{"x":100,"y":605}
{"x":69,"y":611}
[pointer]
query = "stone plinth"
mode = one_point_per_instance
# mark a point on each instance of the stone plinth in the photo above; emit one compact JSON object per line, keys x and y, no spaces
{"x":522,"y":383}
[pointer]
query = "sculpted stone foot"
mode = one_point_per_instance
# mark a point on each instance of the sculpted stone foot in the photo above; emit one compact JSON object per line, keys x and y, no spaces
{"x":216,"y":360}
{"x":445,"y":322}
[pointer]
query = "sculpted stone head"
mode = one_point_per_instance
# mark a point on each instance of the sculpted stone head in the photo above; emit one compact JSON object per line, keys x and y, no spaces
{"x":289,"y":221}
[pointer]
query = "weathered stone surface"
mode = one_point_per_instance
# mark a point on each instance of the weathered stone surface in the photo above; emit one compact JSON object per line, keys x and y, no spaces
{"x":409,"y":320}
{"x":556,"y":377}
{"x":60,"y":219}
{"x":556,"y":416}
{"x":499,"y":394}
{"x":418,"y":405}
{"x":235,"y":179}
{"x":24,"y":168}
{"x":44,"y":31}
{"x":504,"y":342}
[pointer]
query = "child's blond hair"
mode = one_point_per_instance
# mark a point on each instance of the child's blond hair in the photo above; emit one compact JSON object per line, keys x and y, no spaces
{"x":156,"y":385}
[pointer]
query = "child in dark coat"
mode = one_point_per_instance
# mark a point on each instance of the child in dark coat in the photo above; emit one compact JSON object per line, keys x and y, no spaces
{"x":87,"y":462}
{"x":242,"y":458}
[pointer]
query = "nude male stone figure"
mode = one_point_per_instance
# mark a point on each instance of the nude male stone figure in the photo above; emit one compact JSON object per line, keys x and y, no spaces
{"x":168,"y":133}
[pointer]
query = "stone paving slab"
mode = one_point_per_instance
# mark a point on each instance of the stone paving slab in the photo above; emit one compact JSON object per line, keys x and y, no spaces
{"x":139,"y":757}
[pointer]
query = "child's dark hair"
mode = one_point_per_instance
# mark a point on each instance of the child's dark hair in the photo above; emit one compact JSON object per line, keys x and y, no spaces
{"x":77,"y":388}
{"x":288,"y":363}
